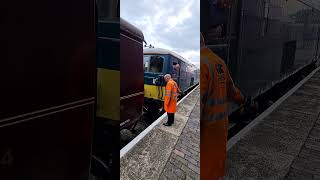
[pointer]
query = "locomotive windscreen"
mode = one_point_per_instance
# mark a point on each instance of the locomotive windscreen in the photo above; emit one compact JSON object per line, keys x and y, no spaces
{"x":153,"y":63}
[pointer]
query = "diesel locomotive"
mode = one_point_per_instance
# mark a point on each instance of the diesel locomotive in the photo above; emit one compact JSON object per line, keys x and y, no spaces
{"x":157,"y":62}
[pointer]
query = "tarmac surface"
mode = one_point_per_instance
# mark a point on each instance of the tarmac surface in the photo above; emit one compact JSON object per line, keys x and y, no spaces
{"x":168,"y":152}
{"x":285,"y":144}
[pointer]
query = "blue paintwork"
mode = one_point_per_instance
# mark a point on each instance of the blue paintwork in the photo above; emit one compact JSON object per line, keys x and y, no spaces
{"x":184,"y":81}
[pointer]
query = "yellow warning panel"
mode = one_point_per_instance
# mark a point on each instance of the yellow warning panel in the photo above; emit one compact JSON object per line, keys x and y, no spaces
{"x":108,"y":94}
{"x":154,"y":92}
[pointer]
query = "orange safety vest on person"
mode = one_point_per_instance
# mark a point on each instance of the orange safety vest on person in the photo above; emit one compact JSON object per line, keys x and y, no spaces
{"x":170,"y":101}
{"x":216,"y":87}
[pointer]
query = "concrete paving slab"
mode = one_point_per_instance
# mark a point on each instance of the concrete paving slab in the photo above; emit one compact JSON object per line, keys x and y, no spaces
{"x":256,"y":163}
{"x":275,"y":140}
{"x":309,"y":91}
{"x":301,"y":103}
{"x":178,"y":125}
{"x":148,"y":157}
{"x":289,"y":120}
{"x":295,"y":174}
{"x":184,"y":162}
{"x":285,"y":144}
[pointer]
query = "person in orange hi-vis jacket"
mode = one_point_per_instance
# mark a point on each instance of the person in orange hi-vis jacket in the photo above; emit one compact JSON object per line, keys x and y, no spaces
{"x":216,"y":87}
{"x":170,"y":101}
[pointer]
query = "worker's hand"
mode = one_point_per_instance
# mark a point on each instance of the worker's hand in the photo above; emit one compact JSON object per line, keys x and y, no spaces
{"x":215,"y":32}
{"x":248,"y":103}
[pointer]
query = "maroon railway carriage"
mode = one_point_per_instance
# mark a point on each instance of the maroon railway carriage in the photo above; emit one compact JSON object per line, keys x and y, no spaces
{"x":132,"y":82}
{"x":47,"y":75}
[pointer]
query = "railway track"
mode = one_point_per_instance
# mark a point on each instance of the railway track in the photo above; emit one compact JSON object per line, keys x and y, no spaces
{"x":239,"y":120}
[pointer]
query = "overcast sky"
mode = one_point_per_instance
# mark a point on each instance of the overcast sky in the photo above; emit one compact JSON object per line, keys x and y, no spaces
{"x":168,"y":24}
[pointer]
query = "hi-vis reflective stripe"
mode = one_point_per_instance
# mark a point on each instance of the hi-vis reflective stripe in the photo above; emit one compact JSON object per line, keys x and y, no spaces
{"x":172,"y":96}
{"x":216,"y":116}
{"x":215,"y":101}
{"x":204,"y":97}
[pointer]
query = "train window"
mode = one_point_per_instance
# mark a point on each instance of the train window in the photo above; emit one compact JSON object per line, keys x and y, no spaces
{"x":175,"y":68}
{"x":108,"y":10}
{"x":218,"y":23}
{"x":217,"y":32}
{"x":153,"y":63}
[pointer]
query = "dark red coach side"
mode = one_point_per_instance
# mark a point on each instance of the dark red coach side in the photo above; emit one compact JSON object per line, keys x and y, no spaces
{"x":47,"y":76}
{"x":132,"y":79}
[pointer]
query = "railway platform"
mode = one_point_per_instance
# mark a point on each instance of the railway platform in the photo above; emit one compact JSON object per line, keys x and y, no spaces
{"x":284,"y":141}
{"x":161,"y":152}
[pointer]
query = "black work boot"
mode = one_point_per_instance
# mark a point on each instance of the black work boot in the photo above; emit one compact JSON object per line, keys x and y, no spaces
{"x":166,"y":124}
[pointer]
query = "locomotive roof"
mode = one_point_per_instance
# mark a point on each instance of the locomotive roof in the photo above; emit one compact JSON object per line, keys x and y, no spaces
{"x":130,"y":29}
{"x":164,"y":51}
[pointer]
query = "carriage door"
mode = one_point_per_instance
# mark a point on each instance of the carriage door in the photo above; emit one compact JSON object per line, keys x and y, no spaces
{"x":175,"y":73}
{"x":222,"y":34}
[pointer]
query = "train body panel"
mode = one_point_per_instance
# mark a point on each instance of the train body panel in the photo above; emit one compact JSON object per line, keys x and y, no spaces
{"x":271,"y":50}
{"x":108,"y":72}
{"x":108,"y":103}
{"x":105,"y":147}
{"x":154,"y":92}
{"x":48,"y":84}
{"x":263,"y":42}
{"x":131,"y":59}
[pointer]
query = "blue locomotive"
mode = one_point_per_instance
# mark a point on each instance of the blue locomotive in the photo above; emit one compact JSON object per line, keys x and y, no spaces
{"x":158,"y":62}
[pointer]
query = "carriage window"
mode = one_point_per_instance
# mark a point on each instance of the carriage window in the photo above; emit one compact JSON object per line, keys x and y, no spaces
{"x":153,"y":63}
{"x":108,"y":10}
{"x":219,"y":28}
{"x":219,"y":11}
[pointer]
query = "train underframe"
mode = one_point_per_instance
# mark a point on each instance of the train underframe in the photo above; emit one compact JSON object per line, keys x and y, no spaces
{"x":105,"y":156}
{"x":152,"y":108}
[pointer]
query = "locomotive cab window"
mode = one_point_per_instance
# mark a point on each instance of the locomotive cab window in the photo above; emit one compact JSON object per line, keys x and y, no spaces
{"x":175,"y":68}
{"x":153,"y":63}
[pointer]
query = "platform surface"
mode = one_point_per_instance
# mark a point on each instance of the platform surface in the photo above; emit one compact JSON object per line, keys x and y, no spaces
{"x":285,"y":144}
{"x":168,"y":152}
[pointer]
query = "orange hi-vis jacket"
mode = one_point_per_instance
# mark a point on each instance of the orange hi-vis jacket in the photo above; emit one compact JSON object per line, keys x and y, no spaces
{"x":216,"y":88}
{"x":170,"y":101}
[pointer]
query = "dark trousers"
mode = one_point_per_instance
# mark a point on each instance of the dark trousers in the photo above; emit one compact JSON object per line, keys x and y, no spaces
{"x":170,"y":118}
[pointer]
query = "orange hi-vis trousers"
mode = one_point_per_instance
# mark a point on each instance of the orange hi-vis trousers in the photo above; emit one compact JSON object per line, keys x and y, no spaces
{"x":216,"y":88}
